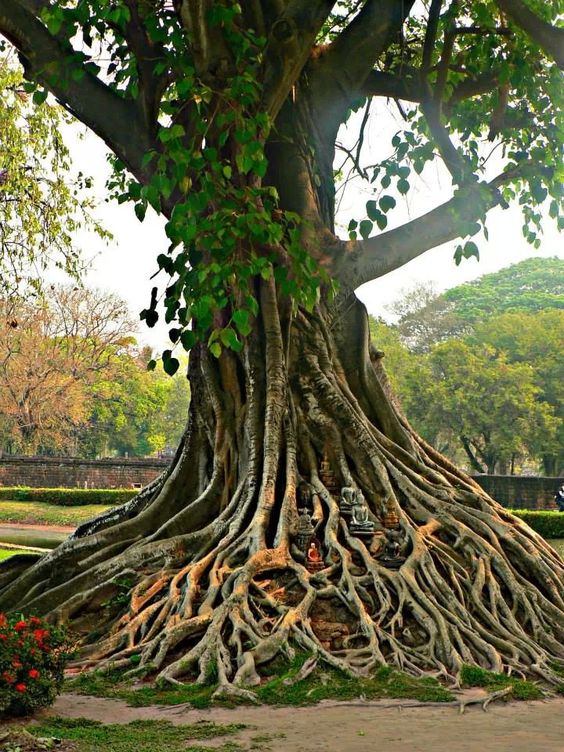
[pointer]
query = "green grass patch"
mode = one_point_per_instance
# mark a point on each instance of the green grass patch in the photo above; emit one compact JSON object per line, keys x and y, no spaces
{"x":546,"y":523}
{"x":138,"y":736}
{"x":473,"y":676}
{"x":5,"y":553}
{"x":323,"y":684}
{"x":68,"y":497}
{"x":37,"y":513}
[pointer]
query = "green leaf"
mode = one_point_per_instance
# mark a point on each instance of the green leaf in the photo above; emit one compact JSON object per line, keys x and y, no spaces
{"x":188,"y":339}
{"x":229,"y":339}
{"x":365,"y":228}
{"x":215,"y":349}
{"x":372,"y":210}
{"x":151,"y":365}
{"x":403,"y":186}
{"x":387,"y":203}
{"x":171,"y":365}
{"x":241,"y":321}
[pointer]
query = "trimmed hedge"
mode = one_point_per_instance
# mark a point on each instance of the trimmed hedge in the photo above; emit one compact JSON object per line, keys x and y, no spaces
{"x":546,"y":523}
{"x":69,"y":497}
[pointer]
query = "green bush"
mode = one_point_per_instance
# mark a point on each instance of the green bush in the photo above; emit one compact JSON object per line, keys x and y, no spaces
{"x":546,"y":523}
{"x":33,"y":655}
{"x":69,"y":497}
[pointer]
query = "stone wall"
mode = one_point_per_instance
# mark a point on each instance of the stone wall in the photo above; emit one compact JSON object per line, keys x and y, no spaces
{"x":70,"y":472}
{"x":521,"y":492}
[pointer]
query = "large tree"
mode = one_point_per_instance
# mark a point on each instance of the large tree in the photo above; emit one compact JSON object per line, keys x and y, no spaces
{"x":224,"y":117}
{"x":53,"y":350}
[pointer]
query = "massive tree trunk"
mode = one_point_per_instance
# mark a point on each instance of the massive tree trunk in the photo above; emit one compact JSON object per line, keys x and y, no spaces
{"x":209,"y":563}
{"x":301,"y":509}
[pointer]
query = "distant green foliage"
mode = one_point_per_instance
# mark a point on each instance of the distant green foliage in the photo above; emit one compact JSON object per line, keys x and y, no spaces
{"x":42,"y":204}
{"x":547,"y":523}
{"x":69,"y":497}
{"x":535,"y":284}
{"x":478,"y":368}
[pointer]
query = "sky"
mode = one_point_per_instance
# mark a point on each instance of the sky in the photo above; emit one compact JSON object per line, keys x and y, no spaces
{"x":127,"y":263}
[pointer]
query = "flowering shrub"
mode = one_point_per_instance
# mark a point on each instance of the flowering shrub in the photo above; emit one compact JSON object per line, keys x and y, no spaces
{"x":32,"y":660}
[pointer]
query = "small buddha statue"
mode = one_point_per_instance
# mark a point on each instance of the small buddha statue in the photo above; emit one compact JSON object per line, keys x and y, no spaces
{"x":391,"y":556}
{"x":314,"y":560}
{"x":360,"y":520}
{"x":304,"y":531}
{"x":313,"y":552}
{"x":347,"y":499}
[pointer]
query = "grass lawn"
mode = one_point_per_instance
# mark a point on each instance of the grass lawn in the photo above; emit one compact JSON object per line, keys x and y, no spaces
{"x":5,"y":553}
{"x":38,"y":513}
{"x":138,"y":736}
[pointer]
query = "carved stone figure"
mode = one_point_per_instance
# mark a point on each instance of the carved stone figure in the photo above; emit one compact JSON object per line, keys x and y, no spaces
{"x":347,"y":499}
{"x":315,"y":561}
{"x":392,"y":556}
{"x":304,"y":531}
{"x":360,"y":520}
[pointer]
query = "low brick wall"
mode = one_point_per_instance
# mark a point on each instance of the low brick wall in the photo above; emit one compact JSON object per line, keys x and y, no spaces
{"x":521,"y":492}
{"x":70,"y":472}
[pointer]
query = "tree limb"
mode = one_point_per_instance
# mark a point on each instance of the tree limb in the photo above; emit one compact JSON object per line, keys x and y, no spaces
{"x":115,"y":119}
{"x":351,"y":57}
{"x":406,"y":85}
{"x":547,"y":36}
{"x":366,"y":260}
{"x":291,"y":38}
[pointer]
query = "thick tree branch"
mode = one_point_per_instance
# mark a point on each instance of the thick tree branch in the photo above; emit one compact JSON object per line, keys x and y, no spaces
{"x":370,"y":259}
{"x":351,"y":57}
{"x":406,"y":85}
{"x":289,"y":45}
{"x":116,"y":120}
{"x":549,"y":37}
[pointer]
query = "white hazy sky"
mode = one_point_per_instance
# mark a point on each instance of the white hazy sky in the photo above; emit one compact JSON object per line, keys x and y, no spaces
{"x":126,"y":264}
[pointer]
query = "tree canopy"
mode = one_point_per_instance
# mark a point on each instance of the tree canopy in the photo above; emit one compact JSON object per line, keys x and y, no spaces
{"x":42,"y":203}
{"x":186,"y":95}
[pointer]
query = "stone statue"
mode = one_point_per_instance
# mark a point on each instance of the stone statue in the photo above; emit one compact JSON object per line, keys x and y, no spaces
{"x":347,"y":499}
{"x":315,"y":561}
{"x":304,"y":531}
{"x":360,"y":520}
{"x":391,"y":556}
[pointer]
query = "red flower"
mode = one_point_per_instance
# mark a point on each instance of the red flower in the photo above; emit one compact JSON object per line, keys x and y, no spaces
{"x":3,"y":636}
{"x":19,"y":625}
{"x":20,"y":687}
{"x":40,"y":635}
{"x":33,"y":674}
{"x":16,"y":664}
{"x":3,"y":620}
{"x":34,"y":621}
{"x":8,"y":678}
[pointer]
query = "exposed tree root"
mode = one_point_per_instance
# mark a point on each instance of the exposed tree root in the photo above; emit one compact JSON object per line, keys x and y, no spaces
{"x":202,"y":575}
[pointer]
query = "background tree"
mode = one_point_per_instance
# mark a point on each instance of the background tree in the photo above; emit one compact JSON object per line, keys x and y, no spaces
{"x":425,"y":317}
{"x":493,"y":341}
{"x":133,"y":411}
{"x":471,"y":396}
{"x":51,"y":350}
{"x":42,"y":203}
{"x":225,"y":119}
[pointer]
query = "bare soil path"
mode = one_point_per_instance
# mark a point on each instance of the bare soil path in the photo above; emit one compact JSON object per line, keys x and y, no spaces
{"x":388,"y":725}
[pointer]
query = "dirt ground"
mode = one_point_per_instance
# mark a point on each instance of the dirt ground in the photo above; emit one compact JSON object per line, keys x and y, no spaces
{"x":389,"y":726}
